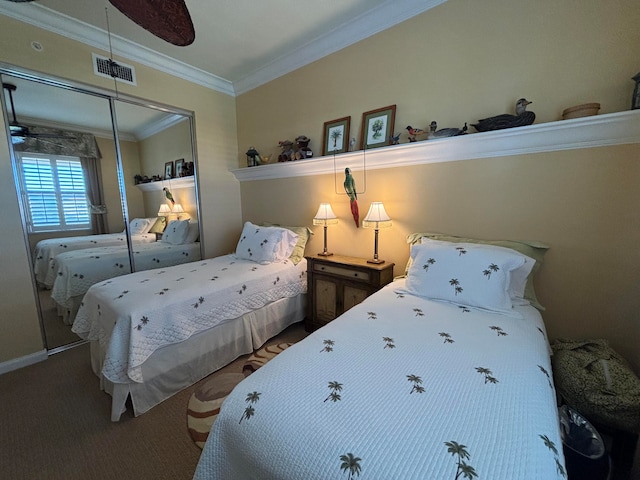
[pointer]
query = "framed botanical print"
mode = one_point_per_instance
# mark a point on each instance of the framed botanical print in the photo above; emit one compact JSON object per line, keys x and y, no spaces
{"x":336,"y":136}
{"x":168,"y":170}
{"x":377,"y":127}
{"x":180,"y":167}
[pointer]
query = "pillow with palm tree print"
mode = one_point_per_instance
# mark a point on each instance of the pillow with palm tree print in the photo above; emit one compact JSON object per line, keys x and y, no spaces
{"x":265,"y":245}
{"x":464,"y":274}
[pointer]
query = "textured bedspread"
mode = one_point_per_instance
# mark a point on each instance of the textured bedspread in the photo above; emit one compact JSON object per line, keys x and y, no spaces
{"x":402,"y":388}
{"x":134,"y":315}
{"x":76,"y":271}
{"x":46,"y":250}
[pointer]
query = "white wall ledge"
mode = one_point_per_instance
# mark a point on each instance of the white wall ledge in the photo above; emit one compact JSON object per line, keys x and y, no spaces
{"x":174,"y":183}
{"x":586,"y":132}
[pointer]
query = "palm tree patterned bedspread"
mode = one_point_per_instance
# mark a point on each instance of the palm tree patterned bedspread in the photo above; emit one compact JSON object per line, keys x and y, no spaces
{"x":136,"y":314}
{"x":399,"y":387}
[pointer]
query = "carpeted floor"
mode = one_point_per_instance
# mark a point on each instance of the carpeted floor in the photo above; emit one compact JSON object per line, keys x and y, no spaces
{"x":54,"y":424}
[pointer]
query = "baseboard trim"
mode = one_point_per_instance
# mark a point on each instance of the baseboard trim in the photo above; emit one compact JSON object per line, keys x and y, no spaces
{"x":21,"y":362}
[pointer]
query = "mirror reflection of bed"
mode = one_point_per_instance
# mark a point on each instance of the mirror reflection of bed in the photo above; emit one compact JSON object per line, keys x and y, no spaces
{"x":76,"y":125}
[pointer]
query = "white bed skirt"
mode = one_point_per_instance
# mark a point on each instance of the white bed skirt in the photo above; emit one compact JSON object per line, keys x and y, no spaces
{"x":175,"y":367}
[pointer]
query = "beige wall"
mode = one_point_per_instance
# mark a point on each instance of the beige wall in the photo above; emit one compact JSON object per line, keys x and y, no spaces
{"x":215,"y":121}
{"x":456,"y":63}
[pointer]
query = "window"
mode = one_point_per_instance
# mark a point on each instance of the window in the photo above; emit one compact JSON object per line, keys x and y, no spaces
{"x":54,"y":190}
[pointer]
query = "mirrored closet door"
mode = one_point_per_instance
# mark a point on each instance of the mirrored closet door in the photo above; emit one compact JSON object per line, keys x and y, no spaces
{"x":99,"y":180}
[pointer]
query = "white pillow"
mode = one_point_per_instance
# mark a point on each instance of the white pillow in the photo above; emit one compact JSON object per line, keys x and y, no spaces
{"x":265,"y":244}
{"x":519,"y":276}
{"x":193,"y":233}
{"x":176,"y":232}
{"x":138,"y":226}
{"x":464,"y":274}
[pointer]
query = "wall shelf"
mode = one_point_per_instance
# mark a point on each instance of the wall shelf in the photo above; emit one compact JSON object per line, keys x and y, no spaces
{"x":173,"y":184}
{"x":586,"y":132}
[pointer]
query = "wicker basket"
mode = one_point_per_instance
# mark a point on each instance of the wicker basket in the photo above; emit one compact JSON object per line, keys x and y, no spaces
{"x":584,"y":110}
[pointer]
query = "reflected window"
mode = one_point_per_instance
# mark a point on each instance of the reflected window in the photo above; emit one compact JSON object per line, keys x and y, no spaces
{"x":55,"y":192}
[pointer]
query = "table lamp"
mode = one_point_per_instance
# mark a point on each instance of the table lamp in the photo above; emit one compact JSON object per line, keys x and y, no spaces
{"x":325,"y":216}
{"x":376,"y":218}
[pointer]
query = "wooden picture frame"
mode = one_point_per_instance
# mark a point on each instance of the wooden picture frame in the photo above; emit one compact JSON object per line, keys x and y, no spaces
{"x":377,"y":127}
{"x":168,"y":170}
{"x":336,"y":136}
{"x":180,"y":170}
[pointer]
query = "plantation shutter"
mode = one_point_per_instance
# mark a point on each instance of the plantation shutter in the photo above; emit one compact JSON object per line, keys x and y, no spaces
{"x":55,"y":191}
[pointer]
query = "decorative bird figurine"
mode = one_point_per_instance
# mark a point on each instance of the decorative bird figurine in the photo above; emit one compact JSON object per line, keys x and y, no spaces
{"x":350,"y":188}
{"x":167,"y":194}
{"x":414,"y":132}
{"x":445,"y":132}
{"x":520,"y":119}
{"x":394,"y":139}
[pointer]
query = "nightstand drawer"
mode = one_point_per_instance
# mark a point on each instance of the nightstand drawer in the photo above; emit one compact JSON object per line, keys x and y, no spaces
{"x":341,"y":271}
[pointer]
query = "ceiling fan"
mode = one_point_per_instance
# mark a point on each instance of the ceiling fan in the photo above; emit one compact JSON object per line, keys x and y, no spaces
{"x":166,"y":19}
{"x":20,"y":132}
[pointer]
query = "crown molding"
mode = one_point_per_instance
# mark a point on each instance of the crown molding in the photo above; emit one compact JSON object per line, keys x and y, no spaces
{"x":384,"y":16}
{"x":587,"y":132}
{"x":354,"y":30}
{"x":50,"y":20}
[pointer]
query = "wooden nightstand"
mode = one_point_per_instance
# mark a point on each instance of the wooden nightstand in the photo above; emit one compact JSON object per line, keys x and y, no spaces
{"x":337,"y":283}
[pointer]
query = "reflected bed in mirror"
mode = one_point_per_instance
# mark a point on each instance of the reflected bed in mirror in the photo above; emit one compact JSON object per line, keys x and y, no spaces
{"x":72,"y":138}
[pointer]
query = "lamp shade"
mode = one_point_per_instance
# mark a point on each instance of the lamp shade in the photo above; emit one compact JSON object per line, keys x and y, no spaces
{"x":325,"y":215}
{"x":377,"y":217}
{"x":177,"y":208}
{"x":164,"y":210}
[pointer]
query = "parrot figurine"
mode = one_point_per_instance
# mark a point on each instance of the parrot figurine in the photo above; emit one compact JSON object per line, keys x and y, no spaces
{"x":167,"y":194}
{"x":350,"y":188}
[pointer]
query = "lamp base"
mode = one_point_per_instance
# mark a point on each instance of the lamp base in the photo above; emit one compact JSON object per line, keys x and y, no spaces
{"x":375,"y":260}
{"x":325,"y":254}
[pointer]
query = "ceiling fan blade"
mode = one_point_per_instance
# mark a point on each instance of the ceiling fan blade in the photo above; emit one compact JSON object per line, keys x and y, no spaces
{"x":167,"y":19}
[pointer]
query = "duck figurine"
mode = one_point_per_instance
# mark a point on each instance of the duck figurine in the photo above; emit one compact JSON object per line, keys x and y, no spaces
{"x":445,"y":132}
{"x":520,"y":119}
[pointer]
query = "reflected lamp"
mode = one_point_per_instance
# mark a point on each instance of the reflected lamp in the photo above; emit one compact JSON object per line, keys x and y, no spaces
{"x":376,"y":218}
{"x":164,"y":210}
{"x":324,"y":217}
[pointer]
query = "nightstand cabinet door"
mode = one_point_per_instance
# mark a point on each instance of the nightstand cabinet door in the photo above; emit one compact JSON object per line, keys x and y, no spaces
{"x":337,"y":283}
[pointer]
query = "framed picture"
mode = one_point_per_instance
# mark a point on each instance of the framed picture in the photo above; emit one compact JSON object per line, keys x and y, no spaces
{"x":180,"y":168}
{"x":336,"y":136}
{"x":168,"y":170}
{"x":377,"y":127}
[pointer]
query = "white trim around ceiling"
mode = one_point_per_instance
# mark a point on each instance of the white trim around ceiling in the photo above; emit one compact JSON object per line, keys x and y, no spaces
{"x":384,"y":16}
{"x":376,"y":20}
{"x":47,"y":19}
{"x":587,"y":132}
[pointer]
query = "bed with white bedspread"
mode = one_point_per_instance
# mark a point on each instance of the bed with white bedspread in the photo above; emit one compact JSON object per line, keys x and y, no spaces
{"x":78,"y":270}
{"x":46,"y":250}
{"x":156,"y":332}
{"x":443,"y":375}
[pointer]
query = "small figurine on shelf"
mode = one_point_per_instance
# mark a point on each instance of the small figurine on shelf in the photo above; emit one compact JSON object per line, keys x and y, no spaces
{"x":137,"y":178}
{"x":302,"y":142}
{"x":394,"y":139}
{"x":414,"y":132}
{"x":505,"y":120}
{"x":252,"y":157}
{"x":445,"y":132}
{"x":287,"y":151}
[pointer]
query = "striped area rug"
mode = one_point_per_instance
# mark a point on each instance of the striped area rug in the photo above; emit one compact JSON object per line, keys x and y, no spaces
{"x":206,"y":400}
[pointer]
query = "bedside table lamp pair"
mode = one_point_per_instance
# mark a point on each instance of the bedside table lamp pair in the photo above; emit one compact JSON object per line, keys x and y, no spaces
{"x":376,"y":218}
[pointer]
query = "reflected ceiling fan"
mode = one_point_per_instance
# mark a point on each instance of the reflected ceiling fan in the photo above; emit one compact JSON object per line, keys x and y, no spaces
{"x":20,"y":132}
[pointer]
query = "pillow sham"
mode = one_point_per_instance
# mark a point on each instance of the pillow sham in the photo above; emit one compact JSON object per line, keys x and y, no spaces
{"x":159,"y":225}
{"x":464,"y":274}
{"x":139,"y":226}
{"x":176,"y":232}
{"x":518,"y":276}
{"x":304,"y":234}
{"x":532,"y":249}
{"x":193,"y":233}
{"x":265,"y":244}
